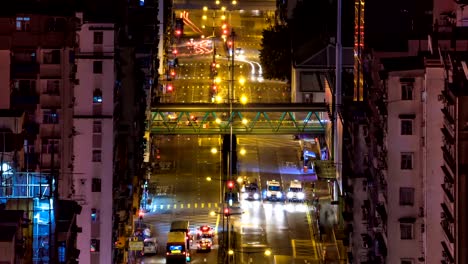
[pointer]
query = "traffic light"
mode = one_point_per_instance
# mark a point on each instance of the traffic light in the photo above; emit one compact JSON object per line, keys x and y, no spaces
{"x":141,"y":214}
{"x":169,"y":88}
{"x":173,"y":73}
{"x":227,"y":212}
{"x":230,"y":185}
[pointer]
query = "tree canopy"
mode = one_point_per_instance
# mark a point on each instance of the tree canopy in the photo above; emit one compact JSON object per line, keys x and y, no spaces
{"x":275,"y":55}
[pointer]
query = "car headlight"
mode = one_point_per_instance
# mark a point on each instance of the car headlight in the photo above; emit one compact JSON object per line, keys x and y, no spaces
{"x":279,"y":195}
{"x":289,"y":195}
{"x":300,"y":195}
{"x":255,"y":196}
{"x":268,"y":194}
{"x":245,"y":195}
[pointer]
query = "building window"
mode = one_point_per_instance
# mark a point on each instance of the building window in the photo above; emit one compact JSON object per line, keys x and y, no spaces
{"x":96,"y":185}
{"x":97,"y":141}
{"x":96,"y":155}
{"x":407,"y":91}
{"x":52,"y":87}
{"x":406,"y":261}
{"x":51,"y":57}
{"x":95,"y":245}
{"x":49,"y":146}
{"x":23,"y":24}
{"x":406,"y":196}
{"x":25,"y":87}
{"x":50,"y":117}
{"x":406,"y":231}
{"x":406,"y":161}
{"x":97,"y":96}
{"x":97,"y":67}
{"x":98,"y":37}
{"x":97,"y":127}
{"x":406,"y":127}
{"x":94,"y":215}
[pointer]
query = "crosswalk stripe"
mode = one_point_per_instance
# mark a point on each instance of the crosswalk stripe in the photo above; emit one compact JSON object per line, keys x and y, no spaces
{"x":181,"y":206}
{"x":188,"y":206}
{"x":203,"y":205}
{"x":209,"y":205}
{"x":195,"y":205}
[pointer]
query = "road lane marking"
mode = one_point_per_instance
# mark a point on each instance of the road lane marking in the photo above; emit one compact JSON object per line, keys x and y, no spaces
{"x":293,"y":244}
{"x":188,"y":206}
{"x":217,"y":223}
{"x":203,"y":205}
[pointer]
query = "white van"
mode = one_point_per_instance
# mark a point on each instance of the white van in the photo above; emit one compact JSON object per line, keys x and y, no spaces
{"x":150,"y":246}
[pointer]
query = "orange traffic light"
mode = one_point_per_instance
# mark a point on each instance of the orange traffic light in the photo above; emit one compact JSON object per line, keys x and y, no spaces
{"x":172,"y":73}
{"x":214,"y":87}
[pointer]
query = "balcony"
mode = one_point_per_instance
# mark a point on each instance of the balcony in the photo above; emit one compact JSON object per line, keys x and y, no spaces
{"x":448,"y":174}
{"x":448,"y":158}
{"x":50,"y":101}
{"x":45,"y":161}
{"x":24,"y":101}
{"x":447,"y":254}
{"x":449,"y":229}
{"x":449,"y":190}
{"x":24,"y":69}
{"x":448,"y":115}
{"x":50,"y":71}
{"x":49,"y":131}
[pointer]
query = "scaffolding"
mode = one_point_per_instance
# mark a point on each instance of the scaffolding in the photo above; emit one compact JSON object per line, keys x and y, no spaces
{"x":31,"y":192}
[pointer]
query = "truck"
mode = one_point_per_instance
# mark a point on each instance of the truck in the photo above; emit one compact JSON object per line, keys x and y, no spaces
{"x":182,"y":226}
{"x":273,"y":191}
{"x":176,"y":248}
{"x":295,"y":192}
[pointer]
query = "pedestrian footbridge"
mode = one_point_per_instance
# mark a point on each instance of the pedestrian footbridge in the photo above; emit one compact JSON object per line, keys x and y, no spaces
{"x":252,"y":119}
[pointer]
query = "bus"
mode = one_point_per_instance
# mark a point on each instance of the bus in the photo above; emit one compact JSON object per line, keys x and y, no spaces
{"x":176,"y":248}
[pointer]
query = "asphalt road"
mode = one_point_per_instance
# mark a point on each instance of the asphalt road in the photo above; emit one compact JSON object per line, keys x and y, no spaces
{"x":181,"y":190}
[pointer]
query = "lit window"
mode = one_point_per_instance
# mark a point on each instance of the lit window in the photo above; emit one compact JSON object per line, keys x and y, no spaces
{"x":23,"y":24}
{"x":95,"y":245}
{"x":98,"y":37}
{"x":94,"y":215}
{"x":406,"y":127}
{"x":97,"y":67}
{"x":50,"y":117}
{"x":97,"y":96}
{"x":406,"y":231}
{"x":96,"y":155}
{"x":406,"y":196}
{"x":142,"y":2}
{"x":406,"y":161}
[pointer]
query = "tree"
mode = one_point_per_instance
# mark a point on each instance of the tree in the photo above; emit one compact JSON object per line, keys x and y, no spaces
{"x":275,"y":54}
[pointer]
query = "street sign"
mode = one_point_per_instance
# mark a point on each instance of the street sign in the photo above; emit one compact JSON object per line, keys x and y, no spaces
{"x":135,"y":245}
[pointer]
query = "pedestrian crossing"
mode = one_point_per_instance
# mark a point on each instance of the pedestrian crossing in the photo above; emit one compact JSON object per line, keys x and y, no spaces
{"x":304,"y":249}
{"x":174,"y":206}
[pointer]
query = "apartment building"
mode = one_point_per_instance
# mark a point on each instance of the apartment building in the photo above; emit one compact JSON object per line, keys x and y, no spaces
{"x":454,"y":163}
{"x":93,"y":138}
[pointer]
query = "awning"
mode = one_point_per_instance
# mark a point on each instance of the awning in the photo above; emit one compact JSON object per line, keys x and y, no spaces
{"x":409,"y":220}
{"x":407,"y":116}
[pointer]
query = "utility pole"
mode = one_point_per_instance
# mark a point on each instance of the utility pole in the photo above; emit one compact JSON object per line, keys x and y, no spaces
{"x":338,"y":126}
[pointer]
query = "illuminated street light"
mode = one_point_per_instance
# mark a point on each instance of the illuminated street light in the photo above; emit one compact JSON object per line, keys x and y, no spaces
{"x":267,"y":252}
{"x":204,"y":17}
{"x":212,"y":213}
{"x":234,"y":2}
{"x":223,"y":8}
{"x":218,"y":121}
{"x":243,"y":151}
{"x":214,"y":150}
{"x":223,"y":17}
{"x":208,"y":178}
{"x":217,"y":2}
{"x":205,"y":8}
{"x":240,"y":180}
{"x":242,"y":80}
{"x":231,"y":252}
{"x":217,"y":80}
{"x":245,"y":121}
{"x":243,"y":99}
